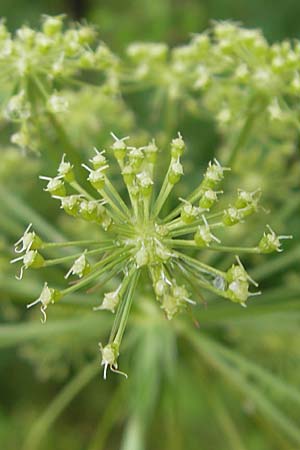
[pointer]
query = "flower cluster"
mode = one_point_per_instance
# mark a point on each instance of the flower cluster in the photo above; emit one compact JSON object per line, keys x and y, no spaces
{"x":35,"y":64}
{"x":143,"y":237}
{"x":224,"y":62}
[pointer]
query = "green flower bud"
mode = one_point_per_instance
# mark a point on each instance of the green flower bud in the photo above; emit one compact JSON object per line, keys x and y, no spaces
{"x":189,"y":213}
{"x":92,"y":211}
{"x":29,"y":241}
{"x":110,"y":301}
{"x":48,"y":295}
{"x":128,"y":175}
{"x":72,"y":46}
{"x":99,"y":161}
{"x":55,"y":186}
{"x":96,"y":178}
{"x":135,"y":158}
{"x":247,"y":202}
{"x":87,"y":60}
{"x":110,"y":354}
{"x":43,"y":43}
{"x":161,"y":288}
{"x":86,"y":35}
{"x":270,"y":242}
{"x":208,"y":199}
{"x":151,"y":152}
{"x":177,"y":147}
{"x":231,"y":216}
{"x":52,"y":25}
{"x":203,"y":236}
{"x":145,"y":182}
{"x":26,"y":35}
{"x":65,"y":170}
{"x":33,"y":259}
{"x":175,"y":173}
{"x":119,"y":148}
{"x":71,"y":204}
{"x":213,"y":175}
{"x":81,"y":267}
{"x":238,"y":291}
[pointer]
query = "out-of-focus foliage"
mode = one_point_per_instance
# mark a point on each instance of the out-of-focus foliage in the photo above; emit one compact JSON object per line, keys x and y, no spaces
{"x":220,"y":376}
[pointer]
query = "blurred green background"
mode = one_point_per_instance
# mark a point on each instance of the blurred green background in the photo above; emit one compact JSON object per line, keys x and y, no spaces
{"x":24,"y":398}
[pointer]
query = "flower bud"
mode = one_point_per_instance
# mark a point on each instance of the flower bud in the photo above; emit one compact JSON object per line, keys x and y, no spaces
{"x":135,"y":157}
{"x":47,"y":296}
{"x":91,"y":210}
{"x":87,"y":60}
{"x":110,"y":354}
{"x":208,"y":199}
{"x":110,"y":301}
{"x":55,"y":186}
{"x":177,"y":147}
{"x":29,"y":241}
{"x":151,"y":152}
{"x":231,"y":216}
{"x":52,"y":25}
{"x":145,"y":182}
{"x":189,"y":213}
{"x":119,"y":148}
{"x":128,"y":175}
{"x":86,"y":35}
{"x":26,"y":35}
{"x":65,"y":170}
{"x":203,"y":236}
{"x":213,"y":175}
{"x":99,"y":161}
{"x":43,"y":43}
{"x":71,"y":204}
{"x":238,"y":291}
{"x":270,"y":242}
{"x":175,"y":173}
{"x":81,"y":267}
{"x":247,"y":202}
{"x":97,"y":179}
{"x":33,"y":259}
{"x":161,"y":288}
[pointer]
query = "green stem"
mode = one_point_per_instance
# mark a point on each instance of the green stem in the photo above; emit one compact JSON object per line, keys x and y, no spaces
{"x":76,"y":186}
{"x":220,"y":248}
{"x":205,"y":268}
{"x":126,"y":309}
{"x":111,"y":262}
{"x":75,"y":243}
{"x":53,"y":262}
{"x":117,"y":196}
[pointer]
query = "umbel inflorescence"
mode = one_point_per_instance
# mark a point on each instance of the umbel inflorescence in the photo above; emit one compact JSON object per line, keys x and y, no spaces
{"x":36,"y":64}
{"x":141,"y":239}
